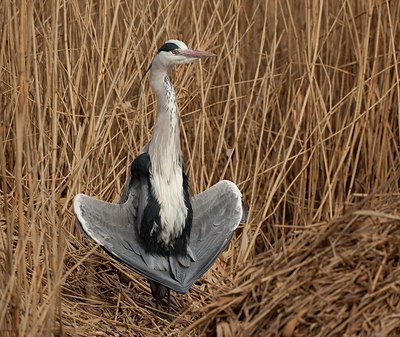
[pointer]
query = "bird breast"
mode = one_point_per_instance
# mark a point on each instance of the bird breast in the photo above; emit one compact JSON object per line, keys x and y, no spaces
{"x":173,"y":211}
{"x":166,"y":176}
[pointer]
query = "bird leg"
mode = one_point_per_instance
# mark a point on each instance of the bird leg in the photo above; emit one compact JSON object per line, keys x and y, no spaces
{"x":159,"y":292}
{"x":169,"y":300}
{"x":157,"y":304}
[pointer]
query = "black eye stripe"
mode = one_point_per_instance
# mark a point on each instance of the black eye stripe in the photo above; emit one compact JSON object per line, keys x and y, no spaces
{"x":170,"y":46}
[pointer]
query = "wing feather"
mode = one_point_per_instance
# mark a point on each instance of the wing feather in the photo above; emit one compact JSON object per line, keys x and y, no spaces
{"x":216,"y":214}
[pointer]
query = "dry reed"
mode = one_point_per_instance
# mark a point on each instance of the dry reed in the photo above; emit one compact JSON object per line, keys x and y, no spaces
{"x":300,"y":108}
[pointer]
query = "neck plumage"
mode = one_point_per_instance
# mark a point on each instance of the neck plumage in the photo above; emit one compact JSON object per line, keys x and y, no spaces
{"x":164,"y":147}
{"x":168,"y":186}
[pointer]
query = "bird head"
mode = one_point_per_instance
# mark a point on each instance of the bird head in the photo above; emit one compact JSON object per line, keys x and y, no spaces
{"x":175,"y":52}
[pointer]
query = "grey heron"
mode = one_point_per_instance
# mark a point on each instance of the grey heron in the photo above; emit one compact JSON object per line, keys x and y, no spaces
{"x":157,"y":229}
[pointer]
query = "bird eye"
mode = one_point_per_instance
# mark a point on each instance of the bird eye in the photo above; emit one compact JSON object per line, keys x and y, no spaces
{"x":175,"y":51}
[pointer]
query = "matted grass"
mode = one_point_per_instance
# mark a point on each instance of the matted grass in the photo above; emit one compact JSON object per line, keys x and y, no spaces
{"x":300,"y":108}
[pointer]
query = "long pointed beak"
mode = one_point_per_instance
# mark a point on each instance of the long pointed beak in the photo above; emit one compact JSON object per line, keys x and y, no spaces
{"x":197,"y":54}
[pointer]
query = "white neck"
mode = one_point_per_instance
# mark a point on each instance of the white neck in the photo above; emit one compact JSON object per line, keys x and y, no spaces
{"x":164,"y":147}
{"x":166,"y":159}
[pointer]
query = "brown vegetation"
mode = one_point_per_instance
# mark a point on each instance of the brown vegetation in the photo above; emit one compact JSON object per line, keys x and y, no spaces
{"x":300,"y":108}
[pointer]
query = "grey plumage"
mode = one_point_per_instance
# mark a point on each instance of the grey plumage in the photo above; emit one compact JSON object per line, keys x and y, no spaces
{"x":217,"y":212}
{"x":157,"y":229}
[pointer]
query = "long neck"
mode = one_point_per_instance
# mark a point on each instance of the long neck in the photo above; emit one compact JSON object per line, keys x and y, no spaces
{"x":164,"y":147}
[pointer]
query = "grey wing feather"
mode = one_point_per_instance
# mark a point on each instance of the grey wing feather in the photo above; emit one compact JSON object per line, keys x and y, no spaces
{"x":112,"y":227}
{"x":125,"y":191}
{"x":216,"y":214}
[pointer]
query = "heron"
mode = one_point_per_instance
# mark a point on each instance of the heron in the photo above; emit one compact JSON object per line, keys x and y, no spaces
{"x":157,"y":229}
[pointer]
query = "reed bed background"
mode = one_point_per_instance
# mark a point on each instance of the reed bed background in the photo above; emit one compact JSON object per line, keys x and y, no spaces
{"x":300,"y":108}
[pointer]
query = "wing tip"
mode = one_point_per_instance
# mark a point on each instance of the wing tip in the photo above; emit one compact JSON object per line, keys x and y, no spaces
{"x":82,"y":224}
{"x":245,"y":212}
{"x":232,"y":187}
{"x":76,"y":202}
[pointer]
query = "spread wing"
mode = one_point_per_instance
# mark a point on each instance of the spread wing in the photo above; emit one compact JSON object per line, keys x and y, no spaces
{"x":216,"y":214}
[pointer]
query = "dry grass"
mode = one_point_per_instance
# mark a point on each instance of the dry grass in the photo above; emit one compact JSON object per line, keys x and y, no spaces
{"x":300,"y":108}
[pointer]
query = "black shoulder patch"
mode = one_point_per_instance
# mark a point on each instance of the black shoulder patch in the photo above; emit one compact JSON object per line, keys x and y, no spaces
{"x":170,"y":46}
{"x":141,"y":166}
